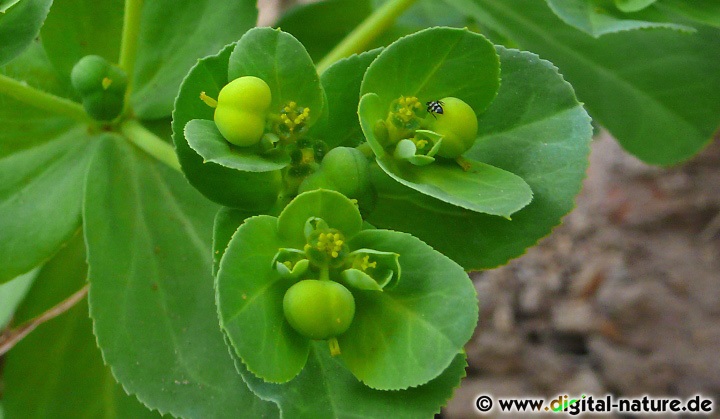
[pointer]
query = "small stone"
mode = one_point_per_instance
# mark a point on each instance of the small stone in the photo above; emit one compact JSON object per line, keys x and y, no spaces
{"x":574,"y":316}
{"x":495,"y":352}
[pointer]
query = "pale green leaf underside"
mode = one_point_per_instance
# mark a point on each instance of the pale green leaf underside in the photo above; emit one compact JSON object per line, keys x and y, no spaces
{"x":19,"y":25}
{"x":60,"y":360}
{"x":326,"y":389}
{"x":633,"y":5}
{"x":655,"y":90}
{"x":205,"y":138}
{"x":12,"y":294}
{"x":596,"y":17}
{"x":483,"y":188}
{"x":536,"y":129}
{"x":6,"y":4}
{"x":282,"y":62}
{"x":171,"y":40}
{"x":151,"y":296}
{"x":41,"y":199}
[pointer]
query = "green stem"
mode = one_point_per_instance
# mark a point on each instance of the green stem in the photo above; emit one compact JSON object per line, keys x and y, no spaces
{"x":366,"y":32}
{"x":150,"y":143}
{"x":334,"y":346}
{"x":324,"y":273}
{"x":43,"y":100}
{"x":129,"y":44}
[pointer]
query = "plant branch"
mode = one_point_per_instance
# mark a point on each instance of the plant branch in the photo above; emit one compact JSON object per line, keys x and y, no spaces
{"x":129,"y":42}
{"x":366,"y":32}
{"x":150,"y":143}
{"x":27,"y":94}
{"x":11,"y":337}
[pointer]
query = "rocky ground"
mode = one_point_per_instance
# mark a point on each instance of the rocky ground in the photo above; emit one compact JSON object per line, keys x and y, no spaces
{"x":623,"y":298}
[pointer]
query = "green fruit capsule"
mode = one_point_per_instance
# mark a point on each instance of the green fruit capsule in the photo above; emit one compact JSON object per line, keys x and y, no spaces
{"x":101,"y":86}
{"x":348,"y":169}
{"x":319,"y":309}
{"x":457,"y":124}
{"x":241,"y":110}
{"x":317,"y":180}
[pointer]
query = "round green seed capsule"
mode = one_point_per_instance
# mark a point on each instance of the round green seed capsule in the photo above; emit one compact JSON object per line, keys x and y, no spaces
{"x":101,"y":86}
{"x":458,"y":126}
{"x":241,"y":110}
{"x":348,"y":169}
{"x":319,"y":309}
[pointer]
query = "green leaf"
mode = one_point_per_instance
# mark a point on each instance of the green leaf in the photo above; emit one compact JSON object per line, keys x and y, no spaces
{"x":655,"y":90}
{"x":171,"y":40}
{"x":633,"y":5}
{"x":151,"y":296}
{"x":322,"y":25}
{"x":19,"y":25}
{"x":483,"y":188}
{"x":703,"y":11}
{"x":326,"y":389}
{"x":227,"y":221}
{"x":250,"y":191}
{"x":358,"y":279}
{"x":77,"y":28}
{"x":596,"y":17}
{"x":382,"y":273}
{"x":12,"y":294}
{"x":25,"y":126}
{"x":250,"y":303}
{"x":297,"y":259}
{"x":6,"y":4}
{"x":341,"y":82}
{"x":59,"y":360}
{"x":421,"y":15}
{"x":536,"y":129}
{"x":463,"y":64}
{"x":34,"y":68}
{"x":41,"y":199}
{"x":333,"y":207}
{"x":282,"y":62}
{"x":409,"y":334}
{"x":205,"y":138}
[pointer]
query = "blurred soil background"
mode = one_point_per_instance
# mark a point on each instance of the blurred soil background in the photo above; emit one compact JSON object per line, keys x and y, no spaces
{"x":623,"y":298}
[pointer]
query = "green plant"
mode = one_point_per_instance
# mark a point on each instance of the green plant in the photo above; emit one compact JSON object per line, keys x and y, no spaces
{"x":101,"y":87}
{"x":315,"y":265}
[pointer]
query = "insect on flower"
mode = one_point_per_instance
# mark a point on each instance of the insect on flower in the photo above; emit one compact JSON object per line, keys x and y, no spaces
{"x":435,"y":107}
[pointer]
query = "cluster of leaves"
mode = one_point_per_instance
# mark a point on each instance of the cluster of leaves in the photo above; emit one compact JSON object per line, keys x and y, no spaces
{"x":410,"y":334}
{"x":646,"y":70}
{"x":80,"y":201}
